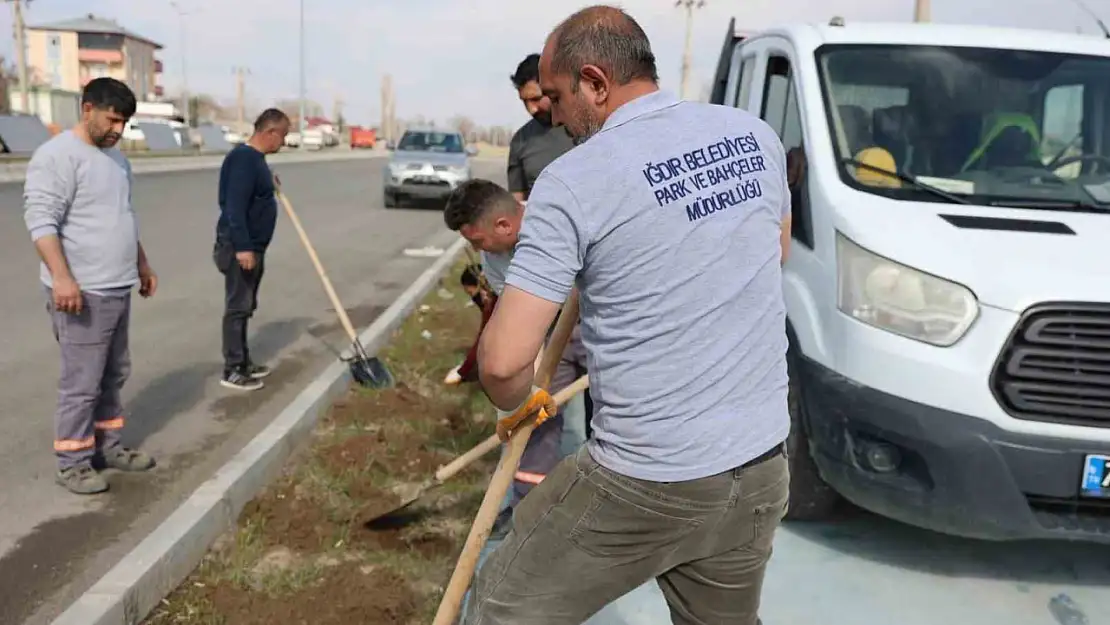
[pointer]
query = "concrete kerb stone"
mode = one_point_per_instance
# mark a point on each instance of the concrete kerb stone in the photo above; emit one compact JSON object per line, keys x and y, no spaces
{"x":158,"y":564}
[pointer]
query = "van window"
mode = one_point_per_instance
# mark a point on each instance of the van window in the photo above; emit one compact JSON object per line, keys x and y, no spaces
{"x":994,"y":125}
{"x":747,"y":73}
{"x":781,"y":112}
{"x":1062,"y":127}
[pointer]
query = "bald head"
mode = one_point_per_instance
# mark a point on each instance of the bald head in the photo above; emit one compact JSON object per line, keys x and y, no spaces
{"x":607,"y":38}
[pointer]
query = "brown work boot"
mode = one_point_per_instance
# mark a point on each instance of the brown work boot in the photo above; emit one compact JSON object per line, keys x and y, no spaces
{"x":81,"y":479}
{"x":124,"y":459}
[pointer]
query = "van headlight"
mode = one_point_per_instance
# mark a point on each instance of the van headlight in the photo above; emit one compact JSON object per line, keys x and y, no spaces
{"x":899,"y":299}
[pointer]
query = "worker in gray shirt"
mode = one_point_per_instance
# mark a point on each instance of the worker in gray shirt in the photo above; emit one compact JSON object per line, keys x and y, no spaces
{"x":671,"y":219}
{"x":77,"y":207}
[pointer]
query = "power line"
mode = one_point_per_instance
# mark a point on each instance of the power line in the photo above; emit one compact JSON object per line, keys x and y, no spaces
{"x":687,"y":52}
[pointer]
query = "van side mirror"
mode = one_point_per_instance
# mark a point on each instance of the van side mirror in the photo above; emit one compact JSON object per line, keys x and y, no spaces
{"x":472,"y":150}
{"x":390,"y":146}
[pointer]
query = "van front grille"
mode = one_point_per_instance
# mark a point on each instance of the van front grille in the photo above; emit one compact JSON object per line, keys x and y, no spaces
{"x":1055,"y":366}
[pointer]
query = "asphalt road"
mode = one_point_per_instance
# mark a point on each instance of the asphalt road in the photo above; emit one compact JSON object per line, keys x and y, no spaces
{"x":53,"y":545}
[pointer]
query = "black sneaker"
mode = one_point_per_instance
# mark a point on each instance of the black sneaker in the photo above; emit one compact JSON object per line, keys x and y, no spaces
{"x":240,"y":381}
{"x":257,"y":372}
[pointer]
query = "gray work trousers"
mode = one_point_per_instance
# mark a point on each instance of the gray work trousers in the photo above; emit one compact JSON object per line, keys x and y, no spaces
{"x":96,"y":362}
{"x":544,"y":449}
{"x":588,"y":535}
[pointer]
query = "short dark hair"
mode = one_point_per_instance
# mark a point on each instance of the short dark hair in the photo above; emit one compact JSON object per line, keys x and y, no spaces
{"x":473,"y":200}
{"x":527,"y":71}
{"x":607,"y":37}
{"x":109,"y":94}
{"x":268,"y":118}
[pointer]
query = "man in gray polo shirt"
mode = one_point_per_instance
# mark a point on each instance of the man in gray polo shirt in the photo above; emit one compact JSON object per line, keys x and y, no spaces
{"x":534,"y":146}
{"x":77,"y":207}
{"x":670,"y":217}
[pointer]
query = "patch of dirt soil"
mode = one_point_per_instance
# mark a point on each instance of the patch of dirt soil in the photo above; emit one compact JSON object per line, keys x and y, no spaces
{"x":290,"y":519}
{"x":345,"y":594}
{"x":329,"y":507}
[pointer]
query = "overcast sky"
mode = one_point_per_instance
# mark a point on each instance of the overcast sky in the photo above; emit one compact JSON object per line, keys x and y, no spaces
{"x":452,"y":57}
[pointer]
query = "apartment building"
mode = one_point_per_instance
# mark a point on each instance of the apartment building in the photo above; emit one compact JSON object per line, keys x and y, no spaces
{"x":68,"y":54}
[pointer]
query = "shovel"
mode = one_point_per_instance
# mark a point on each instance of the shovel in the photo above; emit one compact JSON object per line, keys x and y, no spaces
{"x":453,"y":468}
{"x":367,"y":371}
{"x":502,"y":478}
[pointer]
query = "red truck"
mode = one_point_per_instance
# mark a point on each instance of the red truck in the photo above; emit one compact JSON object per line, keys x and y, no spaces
{"x":363,"y":137}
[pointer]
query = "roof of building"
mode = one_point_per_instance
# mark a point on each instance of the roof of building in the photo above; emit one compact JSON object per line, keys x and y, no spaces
{"x":93,"y":24}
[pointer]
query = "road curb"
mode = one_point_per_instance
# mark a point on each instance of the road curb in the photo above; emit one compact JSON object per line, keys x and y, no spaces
{"x":134,"y":586}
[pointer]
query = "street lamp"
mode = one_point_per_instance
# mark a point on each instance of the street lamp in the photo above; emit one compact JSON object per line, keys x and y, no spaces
{"x":186,"y":113}
{"x":302,"y":90}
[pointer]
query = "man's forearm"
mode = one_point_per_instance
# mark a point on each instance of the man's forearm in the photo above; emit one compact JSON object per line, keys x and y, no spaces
{"x":49,"y":248}
{"x":142,"y":256}
{"x":509,"y":393}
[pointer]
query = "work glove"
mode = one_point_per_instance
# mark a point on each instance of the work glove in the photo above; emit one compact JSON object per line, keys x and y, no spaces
{"x":540,"y":401}
{"x":453,"y":377}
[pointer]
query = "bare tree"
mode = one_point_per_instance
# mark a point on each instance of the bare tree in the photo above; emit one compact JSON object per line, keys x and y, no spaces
{"x":464,"y":125}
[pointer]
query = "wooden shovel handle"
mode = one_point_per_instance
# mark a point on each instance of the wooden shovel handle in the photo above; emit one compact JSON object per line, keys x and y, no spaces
{"x":452,"y":468}
{"x":503,"y":477}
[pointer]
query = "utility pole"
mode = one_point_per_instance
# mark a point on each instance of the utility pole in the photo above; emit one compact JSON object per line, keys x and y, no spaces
{"x":337,"y":112}
{"x":240,"y":95}
{"x":20,"y":29}
{"x":687,"y":52}
{"x":300,"y":125}
{"x":186,"y":111}
{"x":387,"y":123}
{"x":921,"y":11}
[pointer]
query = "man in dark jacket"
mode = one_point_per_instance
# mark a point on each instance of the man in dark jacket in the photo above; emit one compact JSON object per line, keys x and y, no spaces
{"x":248,"y":214}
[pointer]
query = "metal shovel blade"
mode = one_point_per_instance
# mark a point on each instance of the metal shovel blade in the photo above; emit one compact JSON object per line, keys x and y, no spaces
{"x":371,"y":373}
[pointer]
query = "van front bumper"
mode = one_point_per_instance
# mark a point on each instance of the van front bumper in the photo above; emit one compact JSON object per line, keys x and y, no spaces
{"x":953,"y":473}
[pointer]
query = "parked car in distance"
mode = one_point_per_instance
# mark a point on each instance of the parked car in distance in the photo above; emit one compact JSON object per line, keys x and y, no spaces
{"x":426,"y":164}
{"x":313,"y":139}
{"x":363,"y":137}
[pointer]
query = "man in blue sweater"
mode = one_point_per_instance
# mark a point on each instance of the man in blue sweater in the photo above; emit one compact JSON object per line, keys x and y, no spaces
{"x":248,"y":214}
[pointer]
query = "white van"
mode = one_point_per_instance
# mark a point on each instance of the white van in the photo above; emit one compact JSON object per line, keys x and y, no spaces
{"x":949,"y":324}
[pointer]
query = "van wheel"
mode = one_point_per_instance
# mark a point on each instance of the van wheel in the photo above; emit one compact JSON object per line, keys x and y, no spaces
{"x":811,"y":499}
{"x":389,"y":200}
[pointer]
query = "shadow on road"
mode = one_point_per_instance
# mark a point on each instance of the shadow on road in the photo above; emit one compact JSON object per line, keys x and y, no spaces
{"x":181,"y":390}
{"x":865,"y":535}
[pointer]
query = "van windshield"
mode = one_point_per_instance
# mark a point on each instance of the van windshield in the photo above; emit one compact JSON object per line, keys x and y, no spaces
{"x":992,"y":126}
{"x":431,"y":142}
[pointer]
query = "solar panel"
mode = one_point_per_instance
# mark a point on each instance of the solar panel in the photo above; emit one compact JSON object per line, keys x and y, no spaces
{"x":22,"y":133}
{"x":159,"y":137}
{"x":213,"y":138}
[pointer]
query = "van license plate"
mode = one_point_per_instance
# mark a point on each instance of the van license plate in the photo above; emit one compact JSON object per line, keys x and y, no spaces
{"x":1096,"y":477}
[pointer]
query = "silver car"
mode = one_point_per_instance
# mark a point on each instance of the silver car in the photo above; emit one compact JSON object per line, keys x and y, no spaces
{"x":426,"y":165}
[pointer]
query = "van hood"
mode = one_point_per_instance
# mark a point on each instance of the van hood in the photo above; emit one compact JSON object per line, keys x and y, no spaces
{"x":1011,"y":258}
